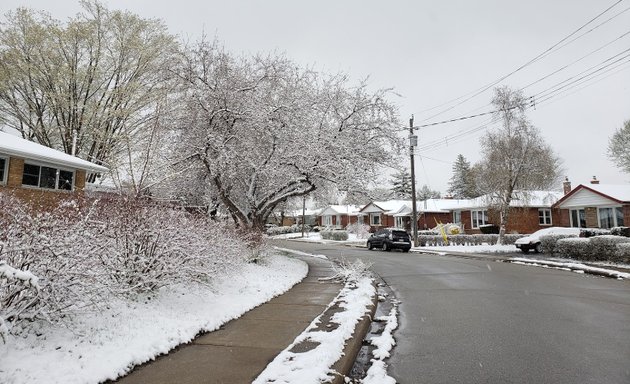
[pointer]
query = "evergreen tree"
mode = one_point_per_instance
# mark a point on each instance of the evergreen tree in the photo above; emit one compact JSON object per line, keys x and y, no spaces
{"x":426,"y":193}
{"x":401,"y":184}
{"x":462,"y":184}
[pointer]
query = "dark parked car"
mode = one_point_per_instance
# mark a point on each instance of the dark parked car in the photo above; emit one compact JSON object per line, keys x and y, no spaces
{"x":388,"y":239}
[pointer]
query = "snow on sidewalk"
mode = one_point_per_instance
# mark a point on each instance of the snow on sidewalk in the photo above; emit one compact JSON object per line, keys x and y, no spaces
{"x":314,"y":365}
{"x":100,"y":346}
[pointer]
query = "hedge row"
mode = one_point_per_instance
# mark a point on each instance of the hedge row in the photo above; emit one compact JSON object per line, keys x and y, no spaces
{"x":334,"y":235}
{"x":599,"y":248}
{"x":491,"y":239}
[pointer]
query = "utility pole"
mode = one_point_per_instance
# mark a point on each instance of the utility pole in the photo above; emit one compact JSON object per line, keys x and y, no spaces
{"x":303,"y":213}
{"x":413,"y":142}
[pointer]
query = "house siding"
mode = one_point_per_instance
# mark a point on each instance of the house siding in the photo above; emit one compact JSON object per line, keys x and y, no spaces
{"x":428,"y":220}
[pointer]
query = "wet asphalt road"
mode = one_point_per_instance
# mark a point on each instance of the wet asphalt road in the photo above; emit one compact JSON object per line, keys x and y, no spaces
{"x":481,"y":321}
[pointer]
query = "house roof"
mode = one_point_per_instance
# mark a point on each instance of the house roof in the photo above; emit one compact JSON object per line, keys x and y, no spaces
{"x":350,"y":210}
{"x":619,"y":193}
{"x":534,"y":199}
{"x":389,"y":207}
{"x":16,"y":146}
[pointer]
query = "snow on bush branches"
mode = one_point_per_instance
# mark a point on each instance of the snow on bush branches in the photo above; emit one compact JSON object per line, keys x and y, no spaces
{"x":57,"y":262}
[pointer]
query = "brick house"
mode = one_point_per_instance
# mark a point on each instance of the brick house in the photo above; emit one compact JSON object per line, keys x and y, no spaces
{"x":530,"y":211}
{"x":338,"y":216}
{"x":594,"y":206}
{"x":35,"y":172}
{"x":386,"y":214}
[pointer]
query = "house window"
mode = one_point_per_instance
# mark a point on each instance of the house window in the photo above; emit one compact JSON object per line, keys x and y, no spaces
{"x":47,"y":177}
{"x":619,"y":217}
{"x":479,"y":218}
{"x":457,"y":217}
{"x":3,"y":170}
{"x":610,"y":217}
{"x":400,"y":222}
{"x":328,"y":220}
{"x":544,"y":216}
{"x":578,"y":218}
{"x":375,"y":219}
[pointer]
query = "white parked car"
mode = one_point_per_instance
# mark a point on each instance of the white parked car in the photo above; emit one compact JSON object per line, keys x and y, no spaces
{"x":533,"y":241}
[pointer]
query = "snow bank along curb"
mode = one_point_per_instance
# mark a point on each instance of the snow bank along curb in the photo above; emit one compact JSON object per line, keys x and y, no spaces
{"x":321,"y":350}
{"x":575,"y":267}
{"x":377,"y":373}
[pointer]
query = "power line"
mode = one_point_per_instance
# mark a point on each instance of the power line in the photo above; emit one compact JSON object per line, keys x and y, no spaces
{"x":531,"y":61}
{"x":586,"y":73}
{"x":576,"y":61}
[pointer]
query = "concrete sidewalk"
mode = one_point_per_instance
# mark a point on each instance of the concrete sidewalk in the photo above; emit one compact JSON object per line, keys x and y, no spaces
{"x":242,"y":348}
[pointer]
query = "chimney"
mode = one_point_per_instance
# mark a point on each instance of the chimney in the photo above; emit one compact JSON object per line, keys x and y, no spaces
{"x":566,"y":185}
{"x":594,"y":181}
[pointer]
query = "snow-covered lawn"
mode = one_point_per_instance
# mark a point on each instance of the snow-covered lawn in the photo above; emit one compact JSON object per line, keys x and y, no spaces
{"x":99,"y":346}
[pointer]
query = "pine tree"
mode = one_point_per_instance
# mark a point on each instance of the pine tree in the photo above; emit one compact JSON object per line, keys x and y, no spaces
{"x":401,"y":184}
{"x":426,"y":193}
{"x":462,"y":184}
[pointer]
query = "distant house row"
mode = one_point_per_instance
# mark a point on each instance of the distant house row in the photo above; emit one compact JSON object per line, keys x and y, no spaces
{"x":587,"y":206}
{"x":32,"y":170}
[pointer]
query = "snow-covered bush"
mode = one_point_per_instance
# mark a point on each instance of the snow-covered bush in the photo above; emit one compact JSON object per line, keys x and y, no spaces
{"x":510,"y":238}
{"x":579,"y":248}
{"x":596,"y":248}
{"x":53,"y":246}
{"x":273,"y":231}
{"x":549,"y":242}
{"x":623,"y":253}
{"x":361,"y":230}
{"x":83,"y":252}
{"x":592,"y":232}
{"x":346,"y":271}
{"x":334,"y":235}
{"x":620,"y":231}
{"x":21,"y":296}
{"x":604,"y":247}
{"x":438,"y":240}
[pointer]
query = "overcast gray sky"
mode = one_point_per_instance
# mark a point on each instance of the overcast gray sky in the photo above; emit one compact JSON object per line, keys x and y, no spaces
{"x":432,"y":52}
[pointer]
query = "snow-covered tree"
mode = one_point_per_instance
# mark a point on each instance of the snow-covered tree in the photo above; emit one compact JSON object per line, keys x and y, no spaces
{"x":98,"y":77}
{"x":266,"y":130}
{"x":515,"y":156}
{"x":425,"y":192}
{"x":619,"y":147}
{"x":462,"y":184}
{"x":401,"y":184}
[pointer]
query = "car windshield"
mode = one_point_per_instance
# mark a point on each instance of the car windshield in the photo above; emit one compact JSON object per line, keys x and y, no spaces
{"x":399,"y":233}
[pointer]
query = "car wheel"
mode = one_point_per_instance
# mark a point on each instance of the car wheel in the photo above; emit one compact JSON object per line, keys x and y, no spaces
{"x":538,"y":248}
{"x":370,"y":246}
{"x":386,"y":247}
{"x":406,"y":250}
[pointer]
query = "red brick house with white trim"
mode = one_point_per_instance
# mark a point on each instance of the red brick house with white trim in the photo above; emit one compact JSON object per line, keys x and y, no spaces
{"x":33,"y":171}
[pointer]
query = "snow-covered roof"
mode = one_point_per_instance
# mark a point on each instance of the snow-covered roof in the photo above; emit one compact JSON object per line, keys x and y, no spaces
{"x":534,"y":199}
{"x":389,"y":207}
{"x":442,"y":205}
{"x":16,"y":146}
{"x":307,"y":212}
{"x":350,"y":210}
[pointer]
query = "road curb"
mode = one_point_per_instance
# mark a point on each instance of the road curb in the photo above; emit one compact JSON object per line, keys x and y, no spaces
{"x":353,"y":346}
